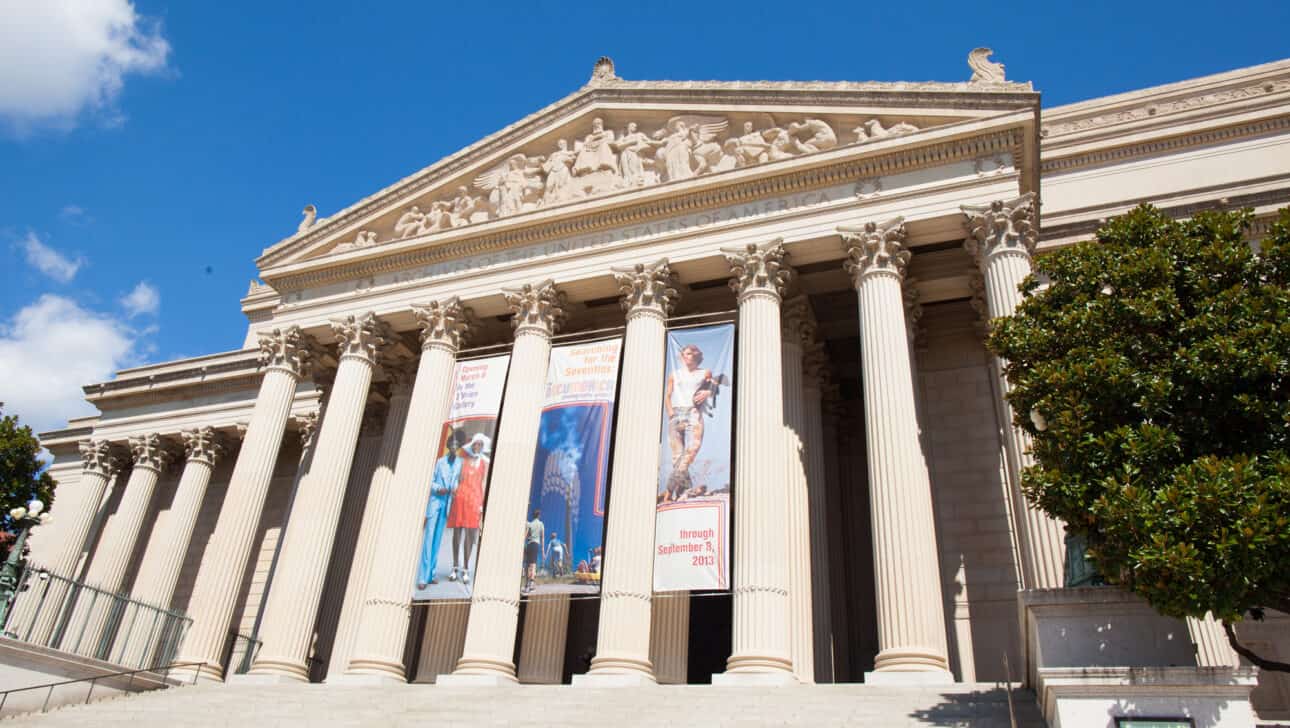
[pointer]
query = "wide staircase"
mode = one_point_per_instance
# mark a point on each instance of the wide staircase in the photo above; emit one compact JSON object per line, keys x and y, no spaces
{"x":244,"y":705}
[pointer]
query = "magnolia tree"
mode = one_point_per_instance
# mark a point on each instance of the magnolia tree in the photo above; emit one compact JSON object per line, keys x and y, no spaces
{"x":21,"y":479}
{"x":1153,"y":372}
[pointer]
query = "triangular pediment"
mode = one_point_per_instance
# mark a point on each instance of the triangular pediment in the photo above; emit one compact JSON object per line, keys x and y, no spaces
{"x":616,"y":137}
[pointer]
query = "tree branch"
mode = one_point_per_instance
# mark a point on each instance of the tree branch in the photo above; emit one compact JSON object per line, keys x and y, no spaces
{"x":1249,"y":654}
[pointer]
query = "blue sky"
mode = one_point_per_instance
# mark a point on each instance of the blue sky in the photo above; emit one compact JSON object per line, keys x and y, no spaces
{"x":150,"y":151}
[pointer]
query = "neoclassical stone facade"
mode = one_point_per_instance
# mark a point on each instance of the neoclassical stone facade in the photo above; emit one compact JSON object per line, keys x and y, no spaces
{"x":858,"y":235}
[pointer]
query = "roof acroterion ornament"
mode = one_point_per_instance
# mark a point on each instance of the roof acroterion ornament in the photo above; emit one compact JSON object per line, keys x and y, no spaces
{"x":983,"y":69}
{"x":603,"y":71}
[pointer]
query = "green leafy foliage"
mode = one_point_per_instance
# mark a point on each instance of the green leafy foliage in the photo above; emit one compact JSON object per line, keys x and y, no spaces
{"x":1158,"y":357}
{"x":21,"y":478}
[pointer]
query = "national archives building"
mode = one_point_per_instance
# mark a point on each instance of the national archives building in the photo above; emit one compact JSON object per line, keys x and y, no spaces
{"x":285,"y":511}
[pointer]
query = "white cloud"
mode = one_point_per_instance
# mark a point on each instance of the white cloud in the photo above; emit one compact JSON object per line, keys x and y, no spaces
{"x":62,"y":58}
{"x":49,"y":350}
{"x":145,"y":298}
{"x":75,"y":215}
{"x":49,"y":261}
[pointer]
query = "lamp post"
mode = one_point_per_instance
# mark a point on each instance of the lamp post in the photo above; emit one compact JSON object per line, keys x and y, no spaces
{"x":11,"y":572}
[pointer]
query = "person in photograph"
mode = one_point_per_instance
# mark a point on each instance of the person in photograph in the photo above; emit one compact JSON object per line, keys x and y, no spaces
{"x":534,"y":532}
{"x":554,"y":555}
{"x":686,"y":399}
{"x":443,"y":484}
{"x":468,"y":505}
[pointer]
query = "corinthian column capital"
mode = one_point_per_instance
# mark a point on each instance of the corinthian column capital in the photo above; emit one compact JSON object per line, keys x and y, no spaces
{"x":307,"y":427}
{"x":150,"y":451}
{"x":203,"y":445}
{"x":97,"y":457}
{"x":648,"y":289}
{"x":875,"y":249}
{"x":816,"y":369}
{"x":539,"y":308}
{"x":401,"y":375}
{"x":290,"y":350}
{"x":362,"y":337}
{"x":444,"y":324}
{"x":759,"y":270}
{"x":1003,"y":227}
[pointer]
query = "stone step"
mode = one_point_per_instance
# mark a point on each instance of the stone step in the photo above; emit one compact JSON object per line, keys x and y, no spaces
{"x":241,"y":706}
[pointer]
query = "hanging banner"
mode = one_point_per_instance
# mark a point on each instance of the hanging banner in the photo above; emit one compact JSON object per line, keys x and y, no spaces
{"x":692,"y":518}
{"x":459,"y":481}
{"x":564,"y":532}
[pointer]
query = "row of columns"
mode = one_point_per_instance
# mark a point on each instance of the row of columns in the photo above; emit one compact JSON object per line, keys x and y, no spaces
{"x":780,"y":585}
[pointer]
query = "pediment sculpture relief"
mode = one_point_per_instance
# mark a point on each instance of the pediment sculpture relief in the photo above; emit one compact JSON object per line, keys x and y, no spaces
{"x":606,"y":160}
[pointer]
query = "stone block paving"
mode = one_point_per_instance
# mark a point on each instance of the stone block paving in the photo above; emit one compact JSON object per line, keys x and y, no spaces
{"x":242,"y":706}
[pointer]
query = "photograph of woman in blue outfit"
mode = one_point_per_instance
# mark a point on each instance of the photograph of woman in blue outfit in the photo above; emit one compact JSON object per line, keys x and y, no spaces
{"x":443,"y":485}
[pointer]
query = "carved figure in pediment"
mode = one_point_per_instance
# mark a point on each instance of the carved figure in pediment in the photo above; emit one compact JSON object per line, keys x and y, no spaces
{"x":439,"y":218}
{"x":685,"y":135}
{"x":729,"y":158}
{"x":821,"y":136}
{"x":364,"y":239}
{"x":559,"y":180}
{"x":409,"y":223}
{"x":873,"y":129}
{"x":782,"y":144}
{"x":595,"y":151}
{"x":631,"y":147}
{"x":752,"y":147}
{"x":466,"y":208}
{"x":517,"y":184}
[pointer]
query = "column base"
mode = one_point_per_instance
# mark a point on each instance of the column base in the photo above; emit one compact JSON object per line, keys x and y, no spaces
{"x":364,"y":678}
{"x":467,"y":680}
{"x":205,"y":673}
{"x":264,"y":678}
{"x":613,"y":680}
{"x":754,"y":679}
{"x":908,"y":678}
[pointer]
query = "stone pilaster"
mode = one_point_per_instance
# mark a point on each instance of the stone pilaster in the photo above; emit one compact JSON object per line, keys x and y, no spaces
{"x":623,"y":643}
{"x":159,"y":572}
{"x":911,"y":621}
{"x":669,"y":638}
{"x":815,"y":373}
{"x":798,"y":328}
{"x":41,"y":609}
{"x":546,"y":627}
{"x":401,"y":378}
{"x":286,"y":356}
{"x":761,"y":652}
{"x":1212,"y":647}
{"x":151,"y":455}
{"x":288,"y":624}
{"x":494,"y":604}
{"x":386,"y":611}
{"x":1002,"y":240}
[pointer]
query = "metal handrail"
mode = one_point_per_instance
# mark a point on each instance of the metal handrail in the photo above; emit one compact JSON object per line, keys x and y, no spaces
{"x":165,"y":683}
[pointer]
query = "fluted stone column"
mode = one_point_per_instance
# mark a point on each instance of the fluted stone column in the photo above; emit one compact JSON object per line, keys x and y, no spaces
{"x":42,"y":608}
{"x":546,"y":629}
{"x":288,"y":624}
{"x":761,"y":653}
{"x":1002,"y":241}
{"x":151,"y":454}
{"x":669,"y":637}
{"x":401,"y":378}
{"x":797,"y":324}
{"x":623,"y":642}
{"x":911,"y":618}
{"x":1212,"y":647}
{"x":494,"y":604}
{"x":286,"y":356}
{"x":159,"y":572}
{"x":442,"y":640}
{"x":383,"y":619}
{"x":815,"y":369}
